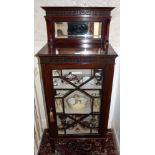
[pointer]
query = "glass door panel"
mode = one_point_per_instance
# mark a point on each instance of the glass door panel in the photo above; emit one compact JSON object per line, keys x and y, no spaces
{"x":78,"y":100}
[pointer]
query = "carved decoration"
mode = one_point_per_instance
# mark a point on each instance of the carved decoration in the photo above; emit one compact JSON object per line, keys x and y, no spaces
{"x":79,"y":12}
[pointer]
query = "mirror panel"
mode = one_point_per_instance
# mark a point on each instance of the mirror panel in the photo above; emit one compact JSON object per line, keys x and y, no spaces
{"x":78,"y":29}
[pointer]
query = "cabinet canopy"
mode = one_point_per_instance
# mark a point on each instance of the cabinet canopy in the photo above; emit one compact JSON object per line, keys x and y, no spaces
{"x":78,"y":25}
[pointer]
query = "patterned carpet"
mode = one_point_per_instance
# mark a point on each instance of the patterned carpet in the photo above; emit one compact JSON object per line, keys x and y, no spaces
{"x":98,"y":146}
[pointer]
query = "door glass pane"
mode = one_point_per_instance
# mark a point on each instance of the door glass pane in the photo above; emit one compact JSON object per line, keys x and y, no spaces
{"x":93,"y":93}
{"x":61,"y":121}
{"x":56,"y":73}
{"x":93,"y":84}
{"x":61,"y":84}
{"x":97,"y":104}
{"x":61,"y":93}
{"x":96,"y":99}
{"x":58,"y":105}
{"x":77,"y":102}
{"x":78,"y":76}
{"x":85,"y":126}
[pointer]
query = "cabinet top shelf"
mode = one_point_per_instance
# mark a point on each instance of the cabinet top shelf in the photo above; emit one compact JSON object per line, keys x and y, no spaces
{"x":76,"y":51}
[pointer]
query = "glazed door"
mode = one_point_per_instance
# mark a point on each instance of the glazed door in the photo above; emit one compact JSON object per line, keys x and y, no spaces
{"x":77,"y":99}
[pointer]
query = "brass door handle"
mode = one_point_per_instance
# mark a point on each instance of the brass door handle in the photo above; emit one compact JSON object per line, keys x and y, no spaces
{"x":51,"y":117}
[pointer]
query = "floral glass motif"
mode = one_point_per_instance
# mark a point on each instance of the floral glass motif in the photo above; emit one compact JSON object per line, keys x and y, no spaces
{"x":78,"y":100}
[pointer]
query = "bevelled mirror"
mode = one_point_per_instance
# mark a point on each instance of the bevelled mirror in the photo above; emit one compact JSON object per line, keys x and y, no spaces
{"x":78,"y":29}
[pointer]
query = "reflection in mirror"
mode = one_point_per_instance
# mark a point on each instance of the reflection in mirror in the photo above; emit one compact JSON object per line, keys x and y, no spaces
{"x":78,"y":29}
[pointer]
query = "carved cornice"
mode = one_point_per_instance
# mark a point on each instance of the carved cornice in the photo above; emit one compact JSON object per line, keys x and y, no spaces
{"x":77,"y":11}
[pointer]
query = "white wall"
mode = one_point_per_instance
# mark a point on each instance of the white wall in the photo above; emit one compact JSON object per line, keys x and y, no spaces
{"x":115,"y":110}
{"x":40,"y":40}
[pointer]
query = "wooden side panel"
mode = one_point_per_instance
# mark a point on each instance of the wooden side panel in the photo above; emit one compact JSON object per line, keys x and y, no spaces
{"x":49,"y":94}
{"x":107,"y":90}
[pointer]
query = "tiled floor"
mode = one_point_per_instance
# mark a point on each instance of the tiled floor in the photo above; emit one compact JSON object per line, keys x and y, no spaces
{"x":97,"y":146}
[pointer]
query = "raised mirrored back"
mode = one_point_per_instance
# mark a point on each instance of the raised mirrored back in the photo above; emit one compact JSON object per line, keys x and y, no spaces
{"x":78,"y":29}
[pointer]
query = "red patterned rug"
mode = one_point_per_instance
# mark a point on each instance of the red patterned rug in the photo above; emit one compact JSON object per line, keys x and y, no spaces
{"x":95,"y":146}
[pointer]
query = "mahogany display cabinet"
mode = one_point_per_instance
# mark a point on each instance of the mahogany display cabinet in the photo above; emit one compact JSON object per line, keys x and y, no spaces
{"x":77,"y":66}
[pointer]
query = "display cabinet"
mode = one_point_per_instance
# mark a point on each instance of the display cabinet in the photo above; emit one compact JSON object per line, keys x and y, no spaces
{"x":77,"y":66}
